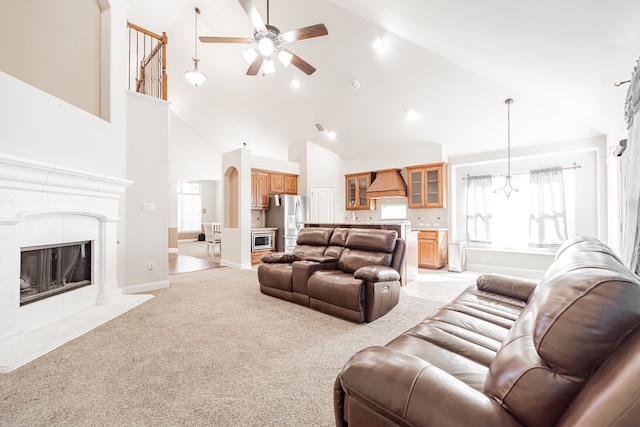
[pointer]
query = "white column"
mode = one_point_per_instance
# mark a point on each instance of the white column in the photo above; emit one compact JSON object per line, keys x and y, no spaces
{"x":108,"y":270}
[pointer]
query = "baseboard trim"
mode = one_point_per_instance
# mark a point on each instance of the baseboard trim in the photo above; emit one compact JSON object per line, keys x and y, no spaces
{"x":145,"y":287}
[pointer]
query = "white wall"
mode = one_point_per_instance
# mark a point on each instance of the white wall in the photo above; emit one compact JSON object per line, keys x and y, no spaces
{"x":319,"y":167}
{"x":54,"y":46}
{"x":192,"y":157}
{"x":274,"y":165}
{"x":428,"y":152}
{"x":147,"y":199}
{"x":236,"y":247}
{"x":41,"y":127}
{"x":211,"y":201}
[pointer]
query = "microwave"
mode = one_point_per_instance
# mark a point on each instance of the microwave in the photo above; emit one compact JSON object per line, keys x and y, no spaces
{"x":262,"y":241}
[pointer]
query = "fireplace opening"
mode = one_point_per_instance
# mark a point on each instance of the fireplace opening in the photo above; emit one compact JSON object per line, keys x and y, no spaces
{"x":50,"y":270}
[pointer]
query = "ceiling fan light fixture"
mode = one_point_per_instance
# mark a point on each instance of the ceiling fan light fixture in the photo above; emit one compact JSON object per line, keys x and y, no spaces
{"x":268,"y":67}
{"x":378,"y":43}
{"x":194,"y":76}
{"x":250,"y":55}
{"x":285,"y":57}
{"x":266,"y":46}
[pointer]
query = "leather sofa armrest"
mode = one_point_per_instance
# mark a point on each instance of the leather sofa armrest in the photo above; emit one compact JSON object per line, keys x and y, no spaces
{"x":512,"y":286}
{"x":377,"y":273}
{"x":278,"y":257}
{"x":407,"y":390}
{"x":322,"y":259}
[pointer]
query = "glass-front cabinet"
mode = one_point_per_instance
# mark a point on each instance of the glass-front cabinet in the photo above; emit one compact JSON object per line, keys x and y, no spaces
{"x":356,"y":191}
{"x":427,"y":185}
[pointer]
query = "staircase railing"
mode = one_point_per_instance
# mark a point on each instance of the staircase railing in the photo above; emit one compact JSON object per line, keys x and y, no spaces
{"x":147,"y":62}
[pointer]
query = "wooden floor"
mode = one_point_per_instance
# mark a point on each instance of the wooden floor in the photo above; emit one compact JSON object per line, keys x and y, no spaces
{"x":179,"y":263}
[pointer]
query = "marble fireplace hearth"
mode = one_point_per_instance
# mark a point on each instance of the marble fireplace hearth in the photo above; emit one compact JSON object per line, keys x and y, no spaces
{"x":44,"y":204}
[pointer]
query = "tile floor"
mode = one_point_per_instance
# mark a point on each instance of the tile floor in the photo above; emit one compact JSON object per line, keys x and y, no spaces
{"x":440,"y":285}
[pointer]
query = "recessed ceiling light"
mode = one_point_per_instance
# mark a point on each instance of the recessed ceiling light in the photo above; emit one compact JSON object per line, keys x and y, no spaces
{"x":411,"y":114}
{"x":295,"y":83}
{"x":355,"y":84}
{"x":331,"y":134}
{"x":378,"y":43}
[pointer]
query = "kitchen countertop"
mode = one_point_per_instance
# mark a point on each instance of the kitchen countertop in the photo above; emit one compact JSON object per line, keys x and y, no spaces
{"x":430,"y":229}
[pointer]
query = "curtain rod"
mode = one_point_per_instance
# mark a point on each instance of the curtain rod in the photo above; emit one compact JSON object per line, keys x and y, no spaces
{"x":575,"y":166}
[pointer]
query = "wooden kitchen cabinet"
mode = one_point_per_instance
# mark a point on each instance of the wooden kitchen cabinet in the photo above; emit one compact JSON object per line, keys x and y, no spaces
{"x":259,"y":190}
{"x":283,"y":183}
{"x":427,"y":186}
{"x":356,"y":191}
{"x":432,"y":249}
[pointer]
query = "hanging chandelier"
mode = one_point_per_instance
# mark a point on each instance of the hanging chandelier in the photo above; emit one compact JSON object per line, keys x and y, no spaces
{"x":507,"y":188}
{"x":194,"y":76}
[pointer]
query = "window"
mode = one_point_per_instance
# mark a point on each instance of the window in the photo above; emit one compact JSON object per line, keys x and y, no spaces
{"x":189,"y":207}
{"x":539,"y":214}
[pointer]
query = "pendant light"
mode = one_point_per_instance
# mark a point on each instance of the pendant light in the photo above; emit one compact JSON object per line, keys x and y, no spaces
{"x":507,"y":188}
{"x":194,"y":76}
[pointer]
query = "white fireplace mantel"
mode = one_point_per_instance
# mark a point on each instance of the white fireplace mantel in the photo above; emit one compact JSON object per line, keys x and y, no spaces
{"x":46,"y":204}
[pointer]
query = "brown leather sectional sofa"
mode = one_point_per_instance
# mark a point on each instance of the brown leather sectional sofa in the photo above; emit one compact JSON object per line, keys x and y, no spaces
{"x":510,"y":352}
{"x":346,"y":272}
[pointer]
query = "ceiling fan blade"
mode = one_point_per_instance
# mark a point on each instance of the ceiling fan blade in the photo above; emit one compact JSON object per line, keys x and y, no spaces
{"x":255,"y":66}
{"x":205,"y":39}
{"x":305,"y":33}
{"x":303,"y":65}
{"x":254,"y":16}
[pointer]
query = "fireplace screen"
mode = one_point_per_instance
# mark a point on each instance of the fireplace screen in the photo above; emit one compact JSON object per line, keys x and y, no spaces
{"x":51,"y":270}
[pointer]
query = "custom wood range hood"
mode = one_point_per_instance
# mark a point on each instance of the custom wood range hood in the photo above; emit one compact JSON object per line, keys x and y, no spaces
{"x":388,"y":183}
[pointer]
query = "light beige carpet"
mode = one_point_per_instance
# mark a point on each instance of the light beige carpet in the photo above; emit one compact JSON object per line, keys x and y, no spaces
{"x":210,"y":350}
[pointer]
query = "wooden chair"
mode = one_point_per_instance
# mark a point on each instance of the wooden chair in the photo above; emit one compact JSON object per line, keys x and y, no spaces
{"x":213,"y":237}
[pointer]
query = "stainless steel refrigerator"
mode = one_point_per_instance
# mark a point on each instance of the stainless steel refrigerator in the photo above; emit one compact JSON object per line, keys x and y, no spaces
{"x":288,"y":213}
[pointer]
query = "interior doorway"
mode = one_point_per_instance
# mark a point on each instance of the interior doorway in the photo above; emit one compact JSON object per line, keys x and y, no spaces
{"x":323,"y":204}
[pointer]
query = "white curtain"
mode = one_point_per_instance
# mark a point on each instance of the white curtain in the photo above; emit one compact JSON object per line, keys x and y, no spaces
{"x":548,"y":218}
{"x":479,"y":190}
{"x":631,"y":177}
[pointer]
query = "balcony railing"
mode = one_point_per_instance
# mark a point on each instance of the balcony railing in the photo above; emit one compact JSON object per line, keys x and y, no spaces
{"x":147,"y":62}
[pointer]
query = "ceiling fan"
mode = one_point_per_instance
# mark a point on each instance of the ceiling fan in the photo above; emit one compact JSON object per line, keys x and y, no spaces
{"x":270,"y":41}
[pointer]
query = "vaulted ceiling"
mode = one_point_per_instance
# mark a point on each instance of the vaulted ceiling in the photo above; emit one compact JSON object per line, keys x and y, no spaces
{"x":453,"y":61}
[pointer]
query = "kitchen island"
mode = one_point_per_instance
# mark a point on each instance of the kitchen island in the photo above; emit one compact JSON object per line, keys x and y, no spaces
{"x":403,"y":228}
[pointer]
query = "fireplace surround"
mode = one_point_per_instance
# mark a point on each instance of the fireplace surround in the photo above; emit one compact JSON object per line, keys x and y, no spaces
{"x":44,"y":205}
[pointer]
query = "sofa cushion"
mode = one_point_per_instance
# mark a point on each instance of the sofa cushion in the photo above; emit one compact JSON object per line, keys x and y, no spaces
{"x":463,"y":337}
{"x":372,"y":240}
{"x":353,"y":259}
{"x":337,"y":242}
{"x":582,"y":313}
{"x":276,"y":276}
{"x":302,"y":252}
{"x":586,"y":304}
{"x":339,"y":237}
{"x":316,"y":236}
{"x":337,"y":288}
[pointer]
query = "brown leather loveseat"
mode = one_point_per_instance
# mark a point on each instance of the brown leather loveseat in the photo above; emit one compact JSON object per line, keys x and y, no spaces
{"x":510,"y":352}
{"x":346,"y":272}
